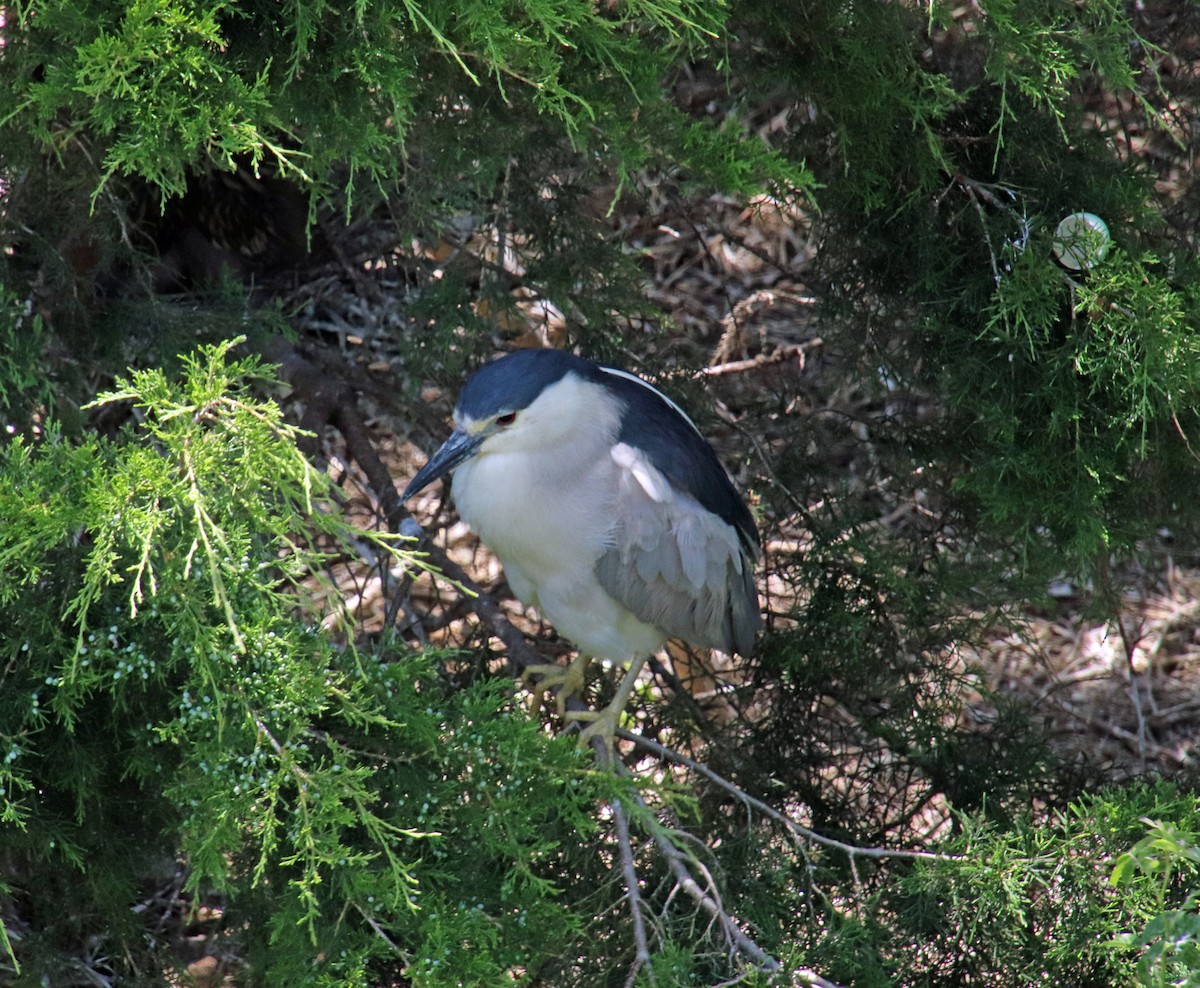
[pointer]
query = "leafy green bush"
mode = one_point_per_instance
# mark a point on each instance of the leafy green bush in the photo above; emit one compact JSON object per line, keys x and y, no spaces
{"x":165,"y":695}
{"x":949,"y":147}
{"x":169,"y":699}
{"x":1034,"y":901}
{"x":25,"y":390}
{"x":1166,"y":859}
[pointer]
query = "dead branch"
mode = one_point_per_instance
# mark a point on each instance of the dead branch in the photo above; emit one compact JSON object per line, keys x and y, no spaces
{"x":795,"y":829}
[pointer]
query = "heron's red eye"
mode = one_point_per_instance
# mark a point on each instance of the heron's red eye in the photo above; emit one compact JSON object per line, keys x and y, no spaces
{"x":507,"y":419}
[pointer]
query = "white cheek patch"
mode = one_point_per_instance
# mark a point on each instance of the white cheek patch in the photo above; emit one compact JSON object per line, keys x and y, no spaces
{"x":650,"y":480}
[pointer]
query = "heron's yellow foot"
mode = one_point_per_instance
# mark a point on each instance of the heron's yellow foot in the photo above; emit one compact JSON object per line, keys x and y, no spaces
{"x":569,"y":681}
{"x":604,"y":722}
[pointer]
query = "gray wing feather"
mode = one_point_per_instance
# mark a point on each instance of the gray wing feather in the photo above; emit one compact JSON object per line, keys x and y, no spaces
{"x":675,"y":564}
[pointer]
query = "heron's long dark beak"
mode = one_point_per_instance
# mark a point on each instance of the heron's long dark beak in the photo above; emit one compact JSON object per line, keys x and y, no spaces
{"x":459,"y":447}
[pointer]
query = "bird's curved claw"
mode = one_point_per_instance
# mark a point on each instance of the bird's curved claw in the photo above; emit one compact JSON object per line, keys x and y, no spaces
{"x":570,"y":681}
{"x":603,"y":724}
{"x":567,"y":681}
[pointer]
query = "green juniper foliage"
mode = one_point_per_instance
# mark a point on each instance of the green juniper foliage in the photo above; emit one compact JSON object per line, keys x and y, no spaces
{"x":165,"y":697}
{"x":163,"y":86}
{"x":515,"y":114}
{"x":1167,"y":860}
{"x":170,"y":701}
{"x":25,"y":389}
{"x":947,"y":157}
{"x":1035,"y":901}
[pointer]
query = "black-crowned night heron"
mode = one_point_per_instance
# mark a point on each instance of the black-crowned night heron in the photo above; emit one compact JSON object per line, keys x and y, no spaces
{"x":609,"y":511}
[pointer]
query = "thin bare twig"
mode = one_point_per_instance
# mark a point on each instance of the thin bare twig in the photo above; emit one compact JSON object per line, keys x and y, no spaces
{"x":707,"y":899}
{"x":632,"y":893}
{"x":776,"y":356}
{"x":796,"y":829}
{"x":1130,"y":639}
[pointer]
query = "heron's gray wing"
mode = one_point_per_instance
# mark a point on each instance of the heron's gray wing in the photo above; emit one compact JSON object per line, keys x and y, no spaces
{"x":676,"y":565}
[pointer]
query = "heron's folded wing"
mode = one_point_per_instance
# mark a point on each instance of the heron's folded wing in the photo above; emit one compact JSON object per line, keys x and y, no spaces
{"x":675,"y":564}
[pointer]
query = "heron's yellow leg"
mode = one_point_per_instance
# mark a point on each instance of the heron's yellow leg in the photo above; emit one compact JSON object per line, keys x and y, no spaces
{"x":604,"y":722}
